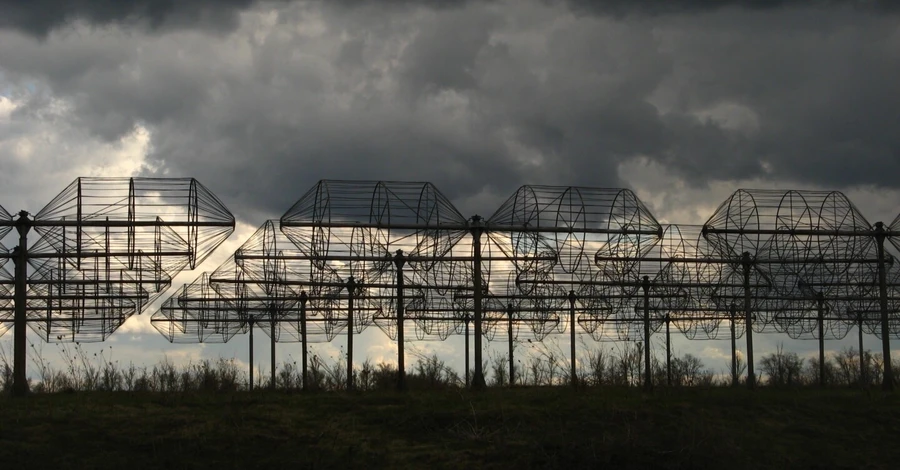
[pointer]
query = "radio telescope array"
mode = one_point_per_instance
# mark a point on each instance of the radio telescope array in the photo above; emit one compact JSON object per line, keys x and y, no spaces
{"x":397,"y":256}
{"x":350,"y":255}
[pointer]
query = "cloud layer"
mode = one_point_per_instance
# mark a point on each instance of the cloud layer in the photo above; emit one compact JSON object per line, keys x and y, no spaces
{"x":477,"y":97}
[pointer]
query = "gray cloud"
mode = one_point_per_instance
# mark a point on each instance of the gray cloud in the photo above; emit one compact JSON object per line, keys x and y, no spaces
{"x":482,"y":97}
{"x":622,"y":8}
{"x":39,"y":17}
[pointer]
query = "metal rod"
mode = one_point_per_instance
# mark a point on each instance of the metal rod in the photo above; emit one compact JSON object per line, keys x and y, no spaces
{"x":105,"y":254}
{"x":555,"y":282}
{"x":888,"y":378}
{"x":676,"y":259}
{"x":747,"y":264}
{"x":518,"y":321}
{"x":81,"y":223}
{"x":303,"y":341}
{"x":20,"y":338}
{"x":734,"y":371}
{"x":399,"y":262}
{"x":272,"y":341}
{"x":481,"y":224}
{"x":648,"y":383}
{"x":477,"y":230}
{"x":78,"y":224}
{"x":219,"y":280}
{"x":863,"y":370}
{"x":509,"y":327}
{"x":238,"y":256}
{"x":466,"y":319}
{"x":94,"y":282}
{"x":832,"y":233}
{"x":251,"y":354}
{"x":668,"y":354}
{"x":820,"y":304}
{"x":572,"y":299}
{"x":351,"y":291}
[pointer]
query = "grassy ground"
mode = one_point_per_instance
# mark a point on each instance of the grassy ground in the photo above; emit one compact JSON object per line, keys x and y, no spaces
{"x":525,"y":428}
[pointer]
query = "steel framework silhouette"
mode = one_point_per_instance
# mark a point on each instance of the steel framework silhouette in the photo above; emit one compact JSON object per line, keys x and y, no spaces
{"x":397,"y":255}
{"x":106,"y":248}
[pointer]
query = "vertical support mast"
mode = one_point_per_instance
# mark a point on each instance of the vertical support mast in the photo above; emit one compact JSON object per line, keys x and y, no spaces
{"x":303,"y":366}
{"x":509,"y":319}
{"x":572,"y":299}
{"x":20,"y":333}
{"x":131,"y":230}
{"x":272,"y":337}
{"x":645,"y":285}
{"x":863,"y":380}
{"x":351,"y":291}
{"x":668,"y":353}
{"x":476,"y":226}
{"x":820,"y":319}
{"x":78,"y":219}
{"x":888,"y":380}
{"x":466,"y":320}
{"x":747,"y":264}
{"x":399,"y":262}
{"x":734,"y":372}
{"x":251,"y":353}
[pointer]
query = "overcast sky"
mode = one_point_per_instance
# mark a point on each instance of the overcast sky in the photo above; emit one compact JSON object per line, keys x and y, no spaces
{"x":682,"y":101}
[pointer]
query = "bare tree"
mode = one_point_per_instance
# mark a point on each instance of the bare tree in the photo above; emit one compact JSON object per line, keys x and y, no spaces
{"x":782,"y":368}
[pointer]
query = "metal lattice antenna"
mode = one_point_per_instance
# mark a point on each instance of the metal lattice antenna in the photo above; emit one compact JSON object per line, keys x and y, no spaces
{"x":107,"y":248}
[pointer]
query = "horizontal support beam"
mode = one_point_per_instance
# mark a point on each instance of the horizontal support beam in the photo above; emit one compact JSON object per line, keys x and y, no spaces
{"x":486,"y":227}
{"x":96,"y":282}
{"x":802,"y":231}
{"x":89,"y":223}
{"x":226,"y":281}
{"x":291,"y":299}
{"x":737,"y":260}
{"x":107,"y":254}
{"x":87,"y":297}
{"x":653,"y":284}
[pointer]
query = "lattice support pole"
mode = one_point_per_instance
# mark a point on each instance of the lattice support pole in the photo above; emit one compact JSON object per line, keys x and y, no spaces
{"x":668,"y":354}
{"x":467,"y":320}
{"x":572,"y":298}
{"x":399,"y":262}
{"x":863,"y":370}
{"x":272,"y":341}
{"x":304,"y":298}
{"x":820,"y":320}
{"x":251,"y":353}
{"x":20,"y":333}
{"x":747,"y":265}
{"x":509,"y":319}
{"x":887,"y":383}
{"x":351,"y":294}
{"x":477,"y":229}
{"x":734,"y":372}
{"x":648,"y":375}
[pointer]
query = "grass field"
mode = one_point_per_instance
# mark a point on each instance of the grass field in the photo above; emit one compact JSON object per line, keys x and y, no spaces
{"x":525,"y":428}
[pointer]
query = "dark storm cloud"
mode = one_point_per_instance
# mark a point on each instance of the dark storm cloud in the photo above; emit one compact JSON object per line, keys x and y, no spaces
{"x":665,"y":7}
{"x":41,"y":16}
{"x":819,"y":86}
{"x":483,"y":97}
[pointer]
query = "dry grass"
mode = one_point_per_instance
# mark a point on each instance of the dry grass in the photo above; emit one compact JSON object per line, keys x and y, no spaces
{"x":529,"y":427}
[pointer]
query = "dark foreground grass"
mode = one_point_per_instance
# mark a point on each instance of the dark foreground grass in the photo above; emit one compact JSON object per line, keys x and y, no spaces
{"x":523,"y":428}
